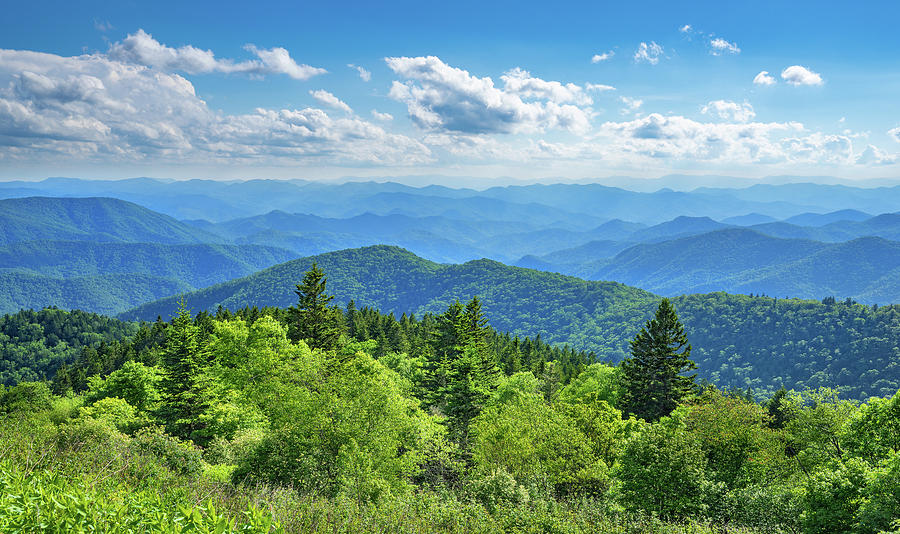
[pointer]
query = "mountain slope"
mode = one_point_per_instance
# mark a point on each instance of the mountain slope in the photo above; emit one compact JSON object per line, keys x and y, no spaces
{"x":196,"y":265}
{"x":678,"y":227}
{"x":744,"y":261}
{"x":821,"y":219}
{"x":738,"y":341}
{"x":91,"y":219}
{"x":107,"y":294}
{"x":392,"y":279}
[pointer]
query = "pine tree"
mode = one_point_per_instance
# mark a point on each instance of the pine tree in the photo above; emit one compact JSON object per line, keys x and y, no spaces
{"x":185,"y":387}
{"x":652,"y":378}
{"x":472,"y":373}
{"x":444,"y":346}
{"x":315,"y":320}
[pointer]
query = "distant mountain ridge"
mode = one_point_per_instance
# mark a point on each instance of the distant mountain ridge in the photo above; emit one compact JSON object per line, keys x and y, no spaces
{"x":91,"y":219}
{"x":219,"y":201}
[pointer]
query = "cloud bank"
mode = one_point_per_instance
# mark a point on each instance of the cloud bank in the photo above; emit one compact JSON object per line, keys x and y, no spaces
{"x":141,"y":48}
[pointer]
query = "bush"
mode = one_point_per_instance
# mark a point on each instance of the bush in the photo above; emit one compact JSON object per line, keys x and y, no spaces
{"x":663,"y":471}
{"x":497,"y":488}
{"x":27,"y":396}
{"x":114,"y":412}
{"x":180,"y":457}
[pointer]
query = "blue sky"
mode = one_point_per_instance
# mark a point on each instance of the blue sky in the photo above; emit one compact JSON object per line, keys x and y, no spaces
{"x":574,"y":90}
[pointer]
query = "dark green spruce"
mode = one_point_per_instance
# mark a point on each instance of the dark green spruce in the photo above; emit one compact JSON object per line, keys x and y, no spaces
{"x":652,"y":377}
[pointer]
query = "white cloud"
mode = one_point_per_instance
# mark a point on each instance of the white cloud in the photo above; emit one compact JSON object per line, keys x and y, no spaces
{"x":719,"y":46}
{"x":631,"y":104}
{"x":363,"y":73}
{"x":520,"y":82}
{"x":873,"y":155}
{"x":676,"y":137}
{"x":599,"y":87}
{"x":382,"y":116}
{"x":685,"y":29}
{"x":821,"y":148}
{"x":444,"y":98}
{"x":798,"y":75}
{"x":648,"y":53}
{"x":142,"y":49}
{"x":732,"y":111}
{"x":763,"y":78}
{"x":327,"y":99}
{"x":605,"y":56}
{"x":895,"y":133}
{"x":93,"y":107}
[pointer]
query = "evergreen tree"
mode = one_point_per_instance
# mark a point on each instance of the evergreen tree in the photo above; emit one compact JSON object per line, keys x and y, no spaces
{"x":472,"y":372}
{"x":316,"y":321}
{"x":652,"y":377}
{"x":185,"y":387}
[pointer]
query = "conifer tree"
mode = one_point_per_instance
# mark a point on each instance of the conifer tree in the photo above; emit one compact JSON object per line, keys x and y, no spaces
{"x":185,"y":387}
{"x":443,"y":347}
{"x":316,"y":321}
{"x":652,"y":377}
{"x":472,"y":373}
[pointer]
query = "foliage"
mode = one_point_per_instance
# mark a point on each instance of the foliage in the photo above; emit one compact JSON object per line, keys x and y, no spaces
{"x":431,"y":424}
{"x":316,"y":321}
{"x":738,"y":341}
{"x":664,"y":471}
{"x":652,"y":380}
{"x":185,"y":385}
{"x":34,"y":344}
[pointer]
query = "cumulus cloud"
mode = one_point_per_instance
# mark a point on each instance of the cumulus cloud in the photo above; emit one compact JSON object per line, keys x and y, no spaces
{"x":648,"y":53}
{"x":521,"y":82}
{"x":798,"y":75}
{"x":873,"y":155}
{"x":599,"y":87}
{"x":363,"y":73}
{"x":658,"y":136}
{"x":444,"y":98}
{"x":764,"y":78}
{"x":732,"y":111}
{"x":327,"y":99}
{"x":382,"y":116}
{"x":719,"y":46}
{"x":685,"y":29}
{"x":605,"y":56}
{"x":92,"y":106}
{"x":141,"y":48}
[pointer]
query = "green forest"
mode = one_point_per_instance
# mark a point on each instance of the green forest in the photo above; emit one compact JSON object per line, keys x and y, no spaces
{"x":321,"y":416}
{"x":741,"y":341}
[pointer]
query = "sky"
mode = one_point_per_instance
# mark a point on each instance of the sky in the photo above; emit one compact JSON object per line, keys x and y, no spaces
{"x":320,"y":90}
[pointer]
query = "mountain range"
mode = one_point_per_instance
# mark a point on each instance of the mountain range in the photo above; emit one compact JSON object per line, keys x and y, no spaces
{"x":104,"y":244}
{"x":588,"y":250}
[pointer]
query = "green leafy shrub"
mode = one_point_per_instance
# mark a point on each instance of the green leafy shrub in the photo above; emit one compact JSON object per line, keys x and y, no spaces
{"x":179,"y":456}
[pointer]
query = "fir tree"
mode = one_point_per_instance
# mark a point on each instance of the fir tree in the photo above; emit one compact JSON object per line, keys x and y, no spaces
{"x":316,"y":321}
{"x":652,"y":377}
{"x":185,"y":387}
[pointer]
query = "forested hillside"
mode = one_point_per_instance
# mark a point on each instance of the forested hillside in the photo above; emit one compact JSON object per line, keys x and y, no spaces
{"x":758,"y":342}
{"x":34,"y":344}
{"x":673,"y":257}
{"x":106,"y":293}
{"x":746,"y":261}
{"x":595,"y":316}
{"x":91,"y":219}
{"x":318,"y":419}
